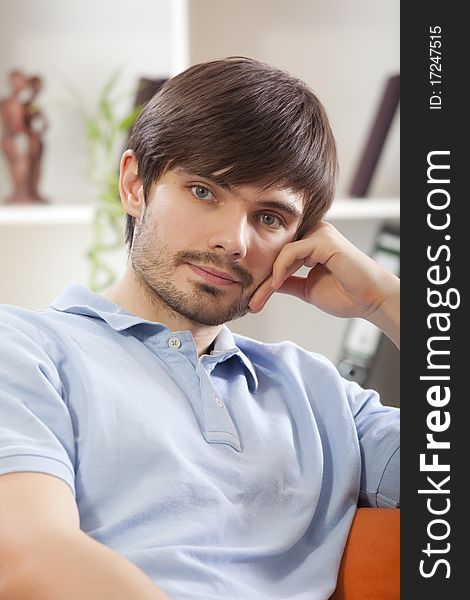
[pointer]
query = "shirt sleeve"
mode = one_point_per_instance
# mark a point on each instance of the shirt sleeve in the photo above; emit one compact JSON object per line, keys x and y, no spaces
{"x":378,"y":429}
{"x":36,"y":432}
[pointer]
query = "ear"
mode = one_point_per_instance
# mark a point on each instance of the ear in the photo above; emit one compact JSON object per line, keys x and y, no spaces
{"x":130,"y":186}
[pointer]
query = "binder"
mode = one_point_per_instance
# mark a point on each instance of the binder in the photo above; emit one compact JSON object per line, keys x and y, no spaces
{"x":362,"y":339}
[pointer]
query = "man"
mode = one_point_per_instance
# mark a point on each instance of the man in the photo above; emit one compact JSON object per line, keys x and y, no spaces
{"x":146,"y":451}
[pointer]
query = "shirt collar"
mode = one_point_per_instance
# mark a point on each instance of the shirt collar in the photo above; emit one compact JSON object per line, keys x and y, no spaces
{"x":225,"y":345}
{"x":76,"y":299}
{"x":79,"y":300}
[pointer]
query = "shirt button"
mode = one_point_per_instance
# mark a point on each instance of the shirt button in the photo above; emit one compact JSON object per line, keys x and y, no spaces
{"x":219,"y":402}
{"x":174,"y":343}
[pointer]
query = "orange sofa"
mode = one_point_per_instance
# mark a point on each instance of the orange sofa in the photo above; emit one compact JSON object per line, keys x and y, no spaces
{"x":370,"y":567}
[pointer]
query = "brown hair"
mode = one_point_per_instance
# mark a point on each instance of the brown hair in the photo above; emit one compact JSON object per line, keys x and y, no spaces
{"x":254,"y":123}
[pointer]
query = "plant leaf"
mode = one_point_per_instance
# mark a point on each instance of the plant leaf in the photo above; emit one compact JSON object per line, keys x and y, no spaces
{"x":93,"y":130}
{"x":106,"y":110}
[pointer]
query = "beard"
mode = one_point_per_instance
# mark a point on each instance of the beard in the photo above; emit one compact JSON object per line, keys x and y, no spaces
{"x":204,"y":304}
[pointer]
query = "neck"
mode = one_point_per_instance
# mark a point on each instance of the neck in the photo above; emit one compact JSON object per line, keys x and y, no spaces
{"x":129,"y":293}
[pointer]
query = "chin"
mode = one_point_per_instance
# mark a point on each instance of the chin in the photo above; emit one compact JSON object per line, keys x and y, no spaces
{"x":207,"y":307}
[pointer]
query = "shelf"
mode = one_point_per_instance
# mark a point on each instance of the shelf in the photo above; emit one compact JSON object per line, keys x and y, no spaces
{"x":60,"y":214}
{"x":50,"y":214}
{"x":355,"y":209}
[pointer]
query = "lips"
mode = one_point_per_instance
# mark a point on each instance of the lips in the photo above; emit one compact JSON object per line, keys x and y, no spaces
{"x":213,"y":276}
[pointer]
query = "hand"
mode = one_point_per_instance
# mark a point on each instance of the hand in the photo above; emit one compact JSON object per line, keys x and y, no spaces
{"x":342,"y":281}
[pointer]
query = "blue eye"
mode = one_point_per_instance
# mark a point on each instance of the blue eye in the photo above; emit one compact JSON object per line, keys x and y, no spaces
{"x":201,"y":192}
{"x":270,"y":220}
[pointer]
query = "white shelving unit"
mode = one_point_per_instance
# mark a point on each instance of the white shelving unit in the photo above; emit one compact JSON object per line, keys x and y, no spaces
{"x":55,"y":214}
{"x":350,"y":209}
{"x":52,"y":214}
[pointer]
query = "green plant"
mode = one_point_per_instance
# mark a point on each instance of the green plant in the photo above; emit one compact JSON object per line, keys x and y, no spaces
{"x":105,"y":131}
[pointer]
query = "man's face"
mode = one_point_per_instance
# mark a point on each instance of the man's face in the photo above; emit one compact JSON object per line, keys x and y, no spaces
{"x":204,"y":249}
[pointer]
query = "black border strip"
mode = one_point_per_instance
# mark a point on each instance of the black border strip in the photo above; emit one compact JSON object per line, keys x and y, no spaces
{"x":425,"y":128}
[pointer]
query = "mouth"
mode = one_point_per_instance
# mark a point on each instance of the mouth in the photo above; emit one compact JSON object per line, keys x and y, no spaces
{"x":213,"y":276}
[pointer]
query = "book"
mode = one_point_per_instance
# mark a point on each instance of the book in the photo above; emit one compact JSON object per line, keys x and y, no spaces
{"x":376,"y":138}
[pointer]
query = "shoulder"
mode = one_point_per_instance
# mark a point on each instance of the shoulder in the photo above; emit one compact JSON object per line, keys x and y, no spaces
{"x":285,"y":353}
{"x":313,"y":372}
{"x":45,"y":322}
{"x":25,"y":328}
{"x":20,"y":320}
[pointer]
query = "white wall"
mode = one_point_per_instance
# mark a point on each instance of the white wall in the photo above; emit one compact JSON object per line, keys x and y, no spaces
{"x":39,"y":261}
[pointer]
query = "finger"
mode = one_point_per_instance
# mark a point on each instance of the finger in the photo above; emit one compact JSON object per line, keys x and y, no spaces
{"x":281,"y":271}
{"x":291,"y":258}
{"x":262,"y":295}
{"x":294,"y":286}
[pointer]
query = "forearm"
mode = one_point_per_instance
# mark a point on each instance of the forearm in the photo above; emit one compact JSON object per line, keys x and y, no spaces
{"x":74,"y":566}
{"x":387,"y":316}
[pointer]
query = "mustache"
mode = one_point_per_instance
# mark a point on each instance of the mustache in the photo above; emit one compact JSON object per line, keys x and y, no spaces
{"x":210,"y":258}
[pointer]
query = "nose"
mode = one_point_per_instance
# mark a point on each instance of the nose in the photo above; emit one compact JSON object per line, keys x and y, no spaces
{"x":230,"y":233}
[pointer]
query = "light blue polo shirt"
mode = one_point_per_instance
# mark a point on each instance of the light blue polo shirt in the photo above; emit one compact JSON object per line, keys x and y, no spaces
{"x":235,"y":475}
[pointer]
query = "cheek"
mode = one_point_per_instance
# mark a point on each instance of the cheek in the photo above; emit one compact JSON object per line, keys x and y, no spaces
{"x":175,"y":227}
{"x":263,"y":260}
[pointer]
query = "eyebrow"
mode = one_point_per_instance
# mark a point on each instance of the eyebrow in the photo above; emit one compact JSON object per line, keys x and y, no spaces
{"x":211,"y":180}
{"x":282,"y":206}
